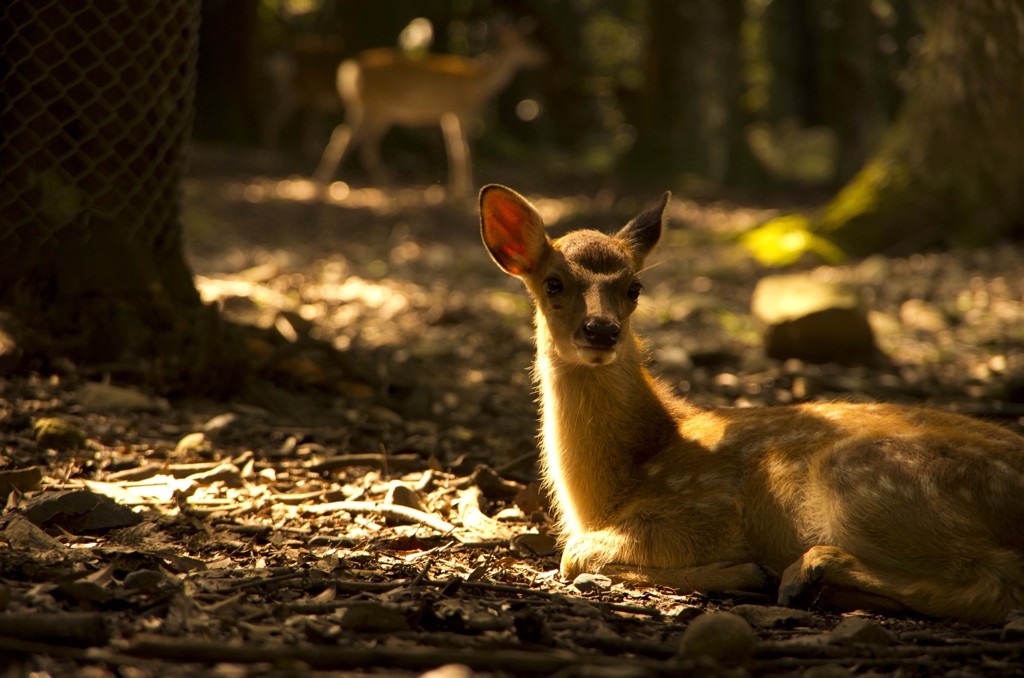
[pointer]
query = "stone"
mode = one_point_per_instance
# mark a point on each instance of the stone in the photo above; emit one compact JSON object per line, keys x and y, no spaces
{"x":813,"y":320}
{"x":57,"y":434}
{"x":725,"y":637}
{"x":860,"y":630}
{"x":100,"y":397}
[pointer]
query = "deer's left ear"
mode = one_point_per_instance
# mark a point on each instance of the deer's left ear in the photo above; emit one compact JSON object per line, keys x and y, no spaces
{"x":643,"y":232}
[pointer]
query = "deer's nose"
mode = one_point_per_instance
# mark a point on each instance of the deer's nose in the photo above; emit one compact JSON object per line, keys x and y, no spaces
{"x":601,"y":333}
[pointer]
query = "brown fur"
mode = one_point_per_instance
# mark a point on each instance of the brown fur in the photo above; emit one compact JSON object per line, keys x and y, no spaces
{"x":880,"y":506}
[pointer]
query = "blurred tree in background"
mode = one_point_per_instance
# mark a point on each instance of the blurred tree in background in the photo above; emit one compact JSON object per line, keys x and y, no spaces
{"x":950,"y":168}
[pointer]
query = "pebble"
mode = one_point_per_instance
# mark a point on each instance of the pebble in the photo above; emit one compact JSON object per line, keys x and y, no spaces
{"x":725,"y":637}
{"x":57,"y":434}
{"x":860,"y":630}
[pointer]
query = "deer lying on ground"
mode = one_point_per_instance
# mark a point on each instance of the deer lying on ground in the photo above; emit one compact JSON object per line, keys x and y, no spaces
{"x":883,"y":507}
{"x":382,"y":88}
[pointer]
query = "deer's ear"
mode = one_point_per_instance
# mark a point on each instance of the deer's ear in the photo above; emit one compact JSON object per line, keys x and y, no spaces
{"x":642,"y":233}
{"x":512,"y":230}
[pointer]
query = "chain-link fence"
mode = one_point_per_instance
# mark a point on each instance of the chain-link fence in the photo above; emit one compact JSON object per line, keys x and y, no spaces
{"x":95,"y":108}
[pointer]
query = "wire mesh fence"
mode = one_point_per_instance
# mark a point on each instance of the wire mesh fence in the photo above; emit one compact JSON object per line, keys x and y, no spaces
{"x":95,"y":108}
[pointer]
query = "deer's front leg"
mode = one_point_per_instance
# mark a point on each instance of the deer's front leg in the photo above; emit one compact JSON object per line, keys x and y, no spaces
{"x":607,"y":553}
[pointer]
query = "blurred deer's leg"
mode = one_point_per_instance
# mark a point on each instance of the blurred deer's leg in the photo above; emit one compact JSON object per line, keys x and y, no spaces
{"x":460,"y":169}
{"x":333,"y":154}
{"x":369,"y":138}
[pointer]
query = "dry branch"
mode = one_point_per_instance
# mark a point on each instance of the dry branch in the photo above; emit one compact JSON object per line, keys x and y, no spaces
{"x":398,"y":462}
{"x":79,"y":629}
{"x":387,"y":510}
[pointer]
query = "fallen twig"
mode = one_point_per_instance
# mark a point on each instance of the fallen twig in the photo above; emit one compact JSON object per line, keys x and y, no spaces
{"x":388,"y":510}
{"x":80,"y":629}
{"x":398,"y":462}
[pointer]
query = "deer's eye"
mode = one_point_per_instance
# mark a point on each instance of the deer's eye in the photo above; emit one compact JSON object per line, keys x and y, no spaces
{"x":553,"y":286}
{"x":634,"y":291}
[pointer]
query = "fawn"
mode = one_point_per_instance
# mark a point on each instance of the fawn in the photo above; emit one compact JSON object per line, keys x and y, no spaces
{"x":382,"y":88}
{"x":875,"y":506}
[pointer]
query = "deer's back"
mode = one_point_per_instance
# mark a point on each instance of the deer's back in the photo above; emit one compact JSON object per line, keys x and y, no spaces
{"x":417,"y":91}
{"x":876,"y":479}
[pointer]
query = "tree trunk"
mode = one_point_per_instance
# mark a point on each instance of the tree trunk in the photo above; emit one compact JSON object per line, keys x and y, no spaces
{"x":97,"y":108}
{"x":689,"y":118}
{"x":949,"y":169}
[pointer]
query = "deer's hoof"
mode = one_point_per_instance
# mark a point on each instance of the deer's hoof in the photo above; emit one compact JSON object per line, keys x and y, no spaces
{"x":800,"y":583}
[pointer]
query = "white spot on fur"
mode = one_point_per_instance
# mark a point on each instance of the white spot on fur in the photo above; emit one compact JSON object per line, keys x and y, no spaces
{"x":678,"y":483}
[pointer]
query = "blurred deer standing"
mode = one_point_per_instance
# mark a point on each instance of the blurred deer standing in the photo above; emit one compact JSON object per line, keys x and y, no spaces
{"x":383,"y":87}
{"x":883,"y":507}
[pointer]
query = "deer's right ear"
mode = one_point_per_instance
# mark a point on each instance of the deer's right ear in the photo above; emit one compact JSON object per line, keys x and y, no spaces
{"x":512,"y":230}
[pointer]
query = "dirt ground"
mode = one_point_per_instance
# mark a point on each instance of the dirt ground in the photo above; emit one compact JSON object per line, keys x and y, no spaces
{"x":369,"y":503}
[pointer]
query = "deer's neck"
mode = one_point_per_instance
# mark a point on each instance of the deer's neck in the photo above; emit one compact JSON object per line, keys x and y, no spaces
{"x":599,"y":425}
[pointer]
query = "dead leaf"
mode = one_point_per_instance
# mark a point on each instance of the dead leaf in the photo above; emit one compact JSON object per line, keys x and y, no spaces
{"x":78,"y":511}
{"x":21,"y":533}
{"x":22,"y":480}
{"x":533,"y":544}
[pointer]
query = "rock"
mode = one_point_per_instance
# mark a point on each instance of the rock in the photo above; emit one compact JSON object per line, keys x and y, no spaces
{"x":57,"y":434}
{"x":772,"y":617}
{"x":813,"y":320}
{"x":591,"y":583}
{"x":725,"y":637}
{"x":861,"y":631}
{"x":101,"y":397}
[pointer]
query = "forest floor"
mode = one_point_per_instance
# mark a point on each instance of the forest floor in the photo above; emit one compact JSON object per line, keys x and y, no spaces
{"x":370,"y":503}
